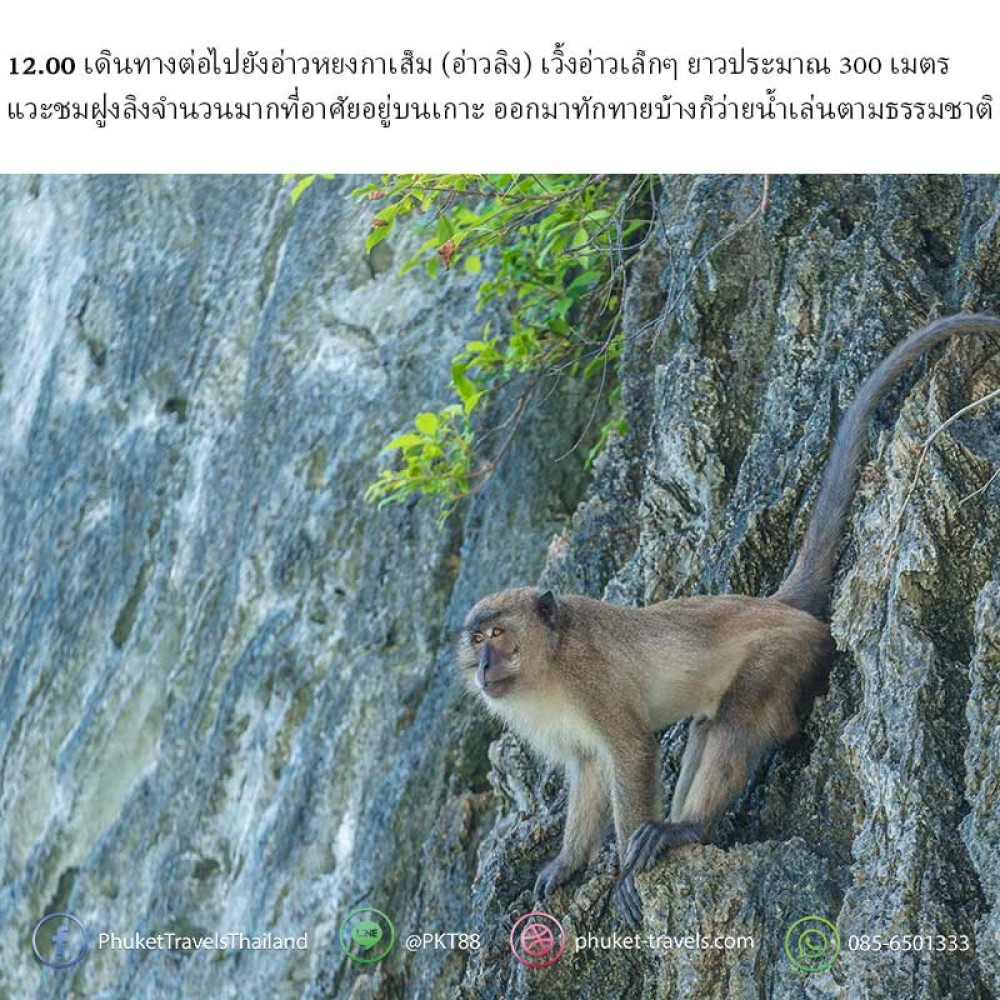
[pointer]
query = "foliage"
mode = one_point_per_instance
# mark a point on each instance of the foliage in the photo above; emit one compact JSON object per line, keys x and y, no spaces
{"x":302,"y":183}
{"x":559,"y":246}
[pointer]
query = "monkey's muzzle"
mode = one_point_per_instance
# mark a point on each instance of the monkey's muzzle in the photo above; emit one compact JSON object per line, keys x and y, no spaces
{"x":491,"y":676}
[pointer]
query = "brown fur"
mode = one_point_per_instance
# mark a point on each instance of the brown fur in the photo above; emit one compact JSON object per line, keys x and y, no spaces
{"x":590,"y":684}
{"x":591,"y":690}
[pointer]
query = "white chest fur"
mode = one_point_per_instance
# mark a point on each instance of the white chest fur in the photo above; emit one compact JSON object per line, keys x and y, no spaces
{"x":555,"y":727}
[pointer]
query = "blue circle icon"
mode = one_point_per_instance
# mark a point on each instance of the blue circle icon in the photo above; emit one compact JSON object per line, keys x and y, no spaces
{"x":59,"y":940}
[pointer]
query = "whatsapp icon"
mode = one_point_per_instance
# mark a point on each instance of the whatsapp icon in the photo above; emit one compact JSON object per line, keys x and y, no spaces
{"x":367,"y":935}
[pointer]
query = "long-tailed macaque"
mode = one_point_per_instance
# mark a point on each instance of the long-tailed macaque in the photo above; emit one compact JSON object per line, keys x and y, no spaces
{"x":590,"y":685}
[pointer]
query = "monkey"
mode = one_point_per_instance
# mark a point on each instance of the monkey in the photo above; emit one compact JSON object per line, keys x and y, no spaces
{"x":590,"y":685}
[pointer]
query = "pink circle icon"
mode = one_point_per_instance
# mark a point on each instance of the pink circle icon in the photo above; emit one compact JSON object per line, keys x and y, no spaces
{"x":537,"y":939}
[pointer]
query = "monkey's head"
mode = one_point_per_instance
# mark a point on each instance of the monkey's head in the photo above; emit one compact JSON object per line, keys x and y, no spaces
{"x":507,"y":641}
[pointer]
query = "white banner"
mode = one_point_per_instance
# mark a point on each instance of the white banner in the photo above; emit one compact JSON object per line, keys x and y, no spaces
{"x":267,"y":87}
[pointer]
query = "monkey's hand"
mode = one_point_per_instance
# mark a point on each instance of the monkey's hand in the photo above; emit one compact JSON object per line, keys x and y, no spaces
{"x":554,"y":874}
{"x":652,"y":840}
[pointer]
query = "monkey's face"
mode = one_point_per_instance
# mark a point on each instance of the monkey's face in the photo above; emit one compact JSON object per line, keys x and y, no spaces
{"x":498,"y":639}
{"x":489,"y":652}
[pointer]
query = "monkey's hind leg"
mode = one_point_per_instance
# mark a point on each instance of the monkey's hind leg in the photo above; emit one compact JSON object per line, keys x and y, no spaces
{"x":727,"y":758}
{"x":653,"y":839}
{"x":717,"y":760}
{"x":759,"y":711}
{"x":722,"y":754}
{"x":636,"y":800}
{"x":697,"y":732}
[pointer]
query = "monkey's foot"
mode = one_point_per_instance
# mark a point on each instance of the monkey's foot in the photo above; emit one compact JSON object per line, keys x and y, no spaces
{"x":652,"y":840}
{"x":627,"y":901}
{"x":554,"y":874}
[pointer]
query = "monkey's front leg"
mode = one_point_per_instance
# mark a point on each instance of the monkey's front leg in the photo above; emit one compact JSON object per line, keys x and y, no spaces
{"x":586,"y":818}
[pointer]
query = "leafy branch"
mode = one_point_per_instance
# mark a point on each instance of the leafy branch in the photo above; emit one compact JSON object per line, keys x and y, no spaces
{"x":559,"y":248}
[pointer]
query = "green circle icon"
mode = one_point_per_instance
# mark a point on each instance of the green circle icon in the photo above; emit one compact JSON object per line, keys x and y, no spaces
{"x":367,"y":935}
{"x":812,"y":944}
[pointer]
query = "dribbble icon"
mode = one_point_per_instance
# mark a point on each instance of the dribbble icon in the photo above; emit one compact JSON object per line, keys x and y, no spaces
{"x":537,"y":940}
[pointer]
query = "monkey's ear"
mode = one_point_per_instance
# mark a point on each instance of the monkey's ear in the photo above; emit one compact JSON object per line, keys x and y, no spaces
{"x":545,"y":605}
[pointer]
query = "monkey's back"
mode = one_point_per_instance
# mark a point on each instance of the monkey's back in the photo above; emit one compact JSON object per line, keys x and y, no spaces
{"x":685,"y":653}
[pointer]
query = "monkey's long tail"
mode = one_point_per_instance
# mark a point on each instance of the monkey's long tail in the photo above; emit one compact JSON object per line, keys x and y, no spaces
{"x":808,"y":585}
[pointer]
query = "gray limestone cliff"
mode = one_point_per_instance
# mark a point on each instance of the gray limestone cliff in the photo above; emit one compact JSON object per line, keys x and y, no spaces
{"x":227,"y":697}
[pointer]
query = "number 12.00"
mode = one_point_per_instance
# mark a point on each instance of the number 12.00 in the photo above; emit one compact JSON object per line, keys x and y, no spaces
{"x":53,"y":65}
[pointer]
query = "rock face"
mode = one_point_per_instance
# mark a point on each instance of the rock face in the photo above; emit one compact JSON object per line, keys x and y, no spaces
{"x":227,"y":701}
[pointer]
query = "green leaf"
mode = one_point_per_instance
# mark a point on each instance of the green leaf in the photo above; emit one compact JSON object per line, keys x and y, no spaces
{"x":582,"y":282}
{"x":463,"y":384}
{"x":403,"y":441}
{"x":427,"y":423}
{"x":444,"y":229}
{"x":301,"y":187}
{"x":376,"y":236}
{"x":465,"y":388}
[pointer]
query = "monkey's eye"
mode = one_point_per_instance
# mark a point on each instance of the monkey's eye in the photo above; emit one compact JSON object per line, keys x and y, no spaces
{"x":477,"y":638}
{"x":495,"y":631}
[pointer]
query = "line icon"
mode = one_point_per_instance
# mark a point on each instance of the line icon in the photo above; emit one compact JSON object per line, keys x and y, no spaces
{"x":367,"y":935}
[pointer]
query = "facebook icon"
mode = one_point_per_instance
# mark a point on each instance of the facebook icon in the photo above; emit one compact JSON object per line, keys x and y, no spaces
{"x":59,"y":940}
